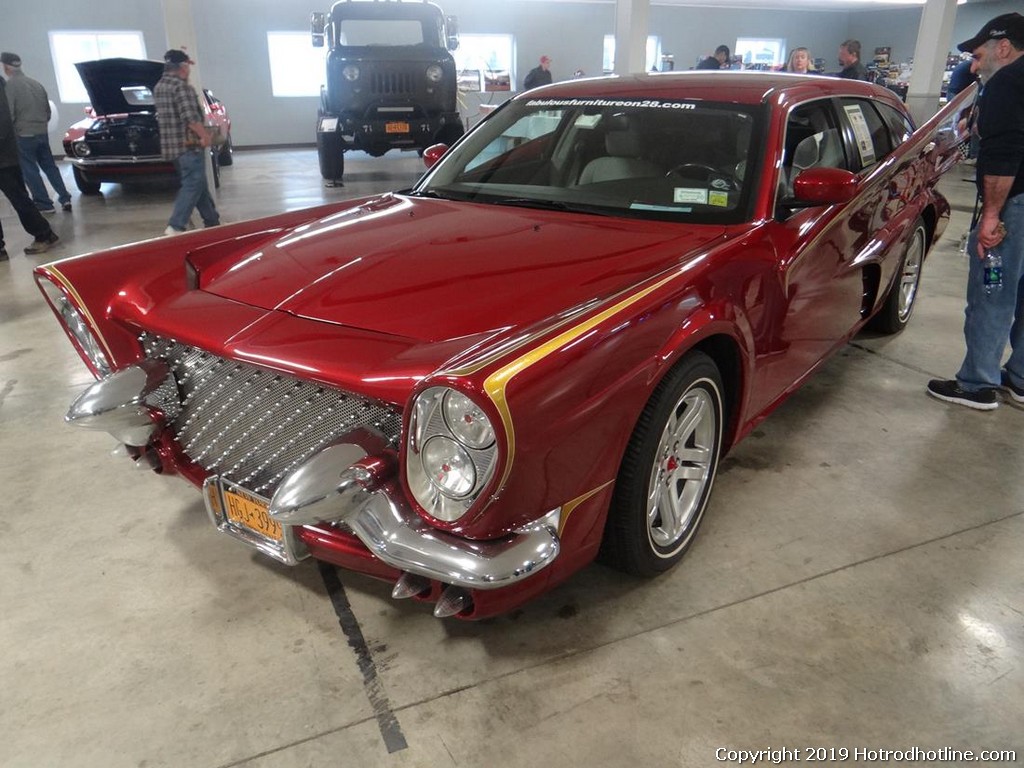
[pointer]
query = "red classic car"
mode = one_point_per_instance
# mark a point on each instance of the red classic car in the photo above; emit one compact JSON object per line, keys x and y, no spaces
{"x":536,"y":355}
{"x":119,"y":141}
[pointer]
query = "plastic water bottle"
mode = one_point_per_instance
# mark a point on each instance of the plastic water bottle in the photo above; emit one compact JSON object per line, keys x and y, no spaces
{"x":993,"y":272}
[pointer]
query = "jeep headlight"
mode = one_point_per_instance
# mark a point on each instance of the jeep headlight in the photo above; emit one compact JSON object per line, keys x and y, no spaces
{"x":434,"y":73}
{"x":77,"y":327}
{"x":350,"y":73}
{"x":451,"y":453}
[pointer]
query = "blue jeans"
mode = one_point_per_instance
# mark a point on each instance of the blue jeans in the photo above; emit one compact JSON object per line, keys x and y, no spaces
{"x":193,"y":193}
{"x":992,"y":319}
{"x":33,"y":154}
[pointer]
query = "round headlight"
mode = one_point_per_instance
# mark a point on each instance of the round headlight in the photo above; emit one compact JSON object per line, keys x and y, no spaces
{"x":434,"y":73}
{"x":467,"y":421}
{"x":350,"y":73}
{"x":448,"y":466}
{"x":81,"y":149}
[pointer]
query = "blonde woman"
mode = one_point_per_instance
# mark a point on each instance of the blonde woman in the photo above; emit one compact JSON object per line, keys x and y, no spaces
{"x":799,"y":62}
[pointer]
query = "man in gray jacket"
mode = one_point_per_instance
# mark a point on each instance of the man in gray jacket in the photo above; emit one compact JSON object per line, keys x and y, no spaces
{"x":30,"y":110}
{"x":13,"y":187}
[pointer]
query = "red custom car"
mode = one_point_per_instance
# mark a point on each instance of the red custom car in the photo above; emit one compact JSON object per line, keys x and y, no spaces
{"x":119,"y":141}
{"x":536,"y":355}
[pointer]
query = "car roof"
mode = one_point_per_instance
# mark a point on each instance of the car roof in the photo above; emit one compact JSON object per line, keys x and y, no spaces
{"x":738,"y":87}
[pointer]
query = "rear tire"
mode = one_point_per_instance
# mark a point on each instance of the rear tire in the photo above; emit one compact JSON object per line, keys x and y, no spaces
{"x":902,"y":297}
{"x":85,"y":186}
{"x":667,"y":471}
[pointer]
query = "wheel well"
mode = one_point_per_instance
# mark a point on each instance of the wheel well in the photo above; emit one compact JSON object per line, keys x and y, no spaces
{"x":726,"y":354}
{"x":928,"y":216}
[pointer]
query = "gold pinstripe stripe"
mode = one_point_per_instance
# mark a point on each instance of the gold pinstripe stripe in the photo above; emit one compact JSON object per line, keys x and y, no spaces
{"x":569,"y":507}
{"x":496,"y":383}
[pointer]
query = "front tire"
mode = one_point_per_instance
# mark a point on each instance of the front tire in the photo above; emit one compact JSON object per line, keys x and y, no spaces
{"x":226,"y":156}
{"x":85,"y":186}
{"x":902,"y":296}
{"x":331,"y":156}
{"x":667,"y":471}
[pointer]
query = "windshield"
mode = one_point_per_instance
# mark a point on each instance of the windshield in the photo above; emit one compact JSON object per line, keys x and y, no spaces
{"x":644,"y":158}
{"x":387,"y":25}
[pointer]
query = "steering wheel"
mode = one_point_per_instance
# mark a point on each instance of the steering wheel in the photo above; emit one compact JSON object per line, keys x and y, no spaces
{"x":709,"y":172}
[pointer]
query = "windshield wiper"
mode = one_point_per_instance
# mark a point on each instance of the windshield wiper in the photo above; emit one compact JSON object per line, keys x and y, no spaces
{"x":545,"y":205}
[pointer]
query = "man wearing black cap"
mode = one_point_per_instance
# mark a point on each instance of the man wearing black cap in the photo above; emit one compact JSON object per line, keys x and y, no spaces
{"x":994,"y":316}
{"x":12,"y":184}
{"x":183,"y":140}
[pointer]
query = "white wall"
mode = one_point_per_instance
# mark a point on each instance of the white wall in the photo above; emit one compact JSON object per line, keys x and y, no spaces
{"x":232,"y":43}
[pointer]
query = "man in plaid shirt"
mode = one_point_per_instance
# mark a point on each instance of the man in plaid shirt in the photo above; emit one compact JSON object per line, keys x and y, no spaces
{"x":183,"y":140}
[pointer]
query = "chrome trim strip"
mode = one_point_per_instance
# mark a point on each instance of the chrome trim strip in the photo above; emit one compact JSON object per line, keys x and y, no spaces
{"x":399,"y":537}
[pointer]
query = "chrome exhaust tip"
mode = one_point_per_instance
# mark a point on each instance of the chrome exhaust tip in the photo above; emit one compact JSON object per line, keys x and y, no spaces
{"x":453,"y":600}
{"x":410,"y":585}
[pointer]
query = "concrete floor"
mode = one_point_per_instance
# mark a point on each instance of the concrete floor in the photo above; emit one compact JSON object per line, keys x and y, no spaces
{"x":858,"y":582}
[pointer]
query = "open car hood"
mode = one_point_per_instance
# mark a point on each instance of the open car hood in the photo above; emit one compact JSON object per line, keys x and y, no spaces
{"x":117,"y":86}
{"x":435,"y":270}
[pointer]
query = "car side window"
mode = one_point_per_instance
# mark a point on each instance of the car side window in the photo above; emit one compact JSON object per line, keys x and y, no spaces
{"x":899,"y":123}
{"x":813,"y":140}
{"x":871,"y":135}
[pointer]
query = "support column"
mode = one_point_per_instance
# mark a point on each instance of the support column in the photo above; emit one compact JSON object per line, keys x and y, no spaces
{"x":631,"y":36}
{"x":934,"y":40}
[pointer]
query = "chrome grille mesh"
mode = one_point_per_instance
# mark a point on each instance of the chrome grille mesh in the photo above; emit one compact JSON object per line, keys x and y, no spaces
{"x":253,"y":426}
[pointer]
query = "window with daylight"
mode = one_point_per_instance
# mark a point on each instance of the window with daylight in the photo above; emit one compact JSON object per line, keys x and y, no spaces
{"x":761,"y":53}
{"x":68,"y":48}
{"x":484,"y":62}
{"x":296,"y":67}
{"x":653,"y":57}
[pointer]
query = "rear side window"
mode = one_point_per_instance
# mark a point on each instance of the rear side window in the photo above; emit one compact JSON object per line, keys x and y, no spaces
{"x":899,"y":124}
{"x":871,"y":135}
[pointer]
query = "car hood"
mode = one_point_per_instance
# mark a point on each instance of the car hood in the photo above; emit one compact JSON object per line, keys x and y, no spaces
{"x":104,"y":80}
{"x":435,"y":270}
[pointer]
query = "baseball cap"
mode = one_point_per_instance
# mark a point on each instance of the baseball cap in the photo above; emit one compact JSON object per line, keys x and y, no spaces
{"x":177,"y":56}
{"x":1009,"y":26}
{"x":10,"y":59}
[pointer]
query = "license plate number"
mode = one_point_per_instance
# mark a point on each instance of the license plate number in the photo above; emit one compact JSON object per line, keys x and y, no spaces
{"x":250,"y":512}
{"x":396,"y":127}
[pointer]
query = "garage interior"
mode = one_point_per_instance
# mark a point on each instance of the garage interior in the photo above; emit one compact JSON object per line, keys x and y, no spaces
{"x":857,"y":582}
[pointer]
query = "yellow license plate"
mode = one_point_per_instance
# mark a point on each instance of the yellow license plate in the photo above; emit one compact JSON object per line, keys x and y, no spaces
{"x":396,"y":127}
{"x":250,"y":512}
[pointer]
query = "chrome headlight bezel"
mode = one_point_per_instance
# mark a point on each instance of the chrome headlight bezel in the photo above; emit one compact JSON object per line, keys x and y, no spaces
{"x":443,"y":492}
{"x":77,"y":326}
{"x":434,"y":73}
{"x":350,"y":72}
{"x":81,"y":148}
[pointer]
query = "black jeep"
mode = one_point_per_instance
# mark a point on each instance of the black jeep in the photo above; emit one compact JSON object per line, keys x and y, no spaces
{"x":390,"y":79}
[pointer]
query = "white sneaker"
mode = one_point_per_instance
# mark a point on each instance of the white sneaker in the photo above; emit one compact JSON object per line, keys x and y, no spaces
{"x":172,"y":231}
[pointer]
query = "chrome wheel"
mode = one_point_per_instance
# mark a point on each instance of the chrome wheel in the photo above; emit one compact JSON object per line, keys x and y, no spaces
{"x":684,"y":464}
{"x":667,"y":470}
{"x":910,"y":277}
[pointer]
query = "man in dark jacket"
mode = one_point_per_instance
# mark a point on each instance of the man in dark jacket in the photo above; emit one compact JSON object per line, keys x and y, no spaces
{"x":539,"y":75}
{"x":849,"y":57}
{"x":719,"y":61}
{"x":12,"y":184}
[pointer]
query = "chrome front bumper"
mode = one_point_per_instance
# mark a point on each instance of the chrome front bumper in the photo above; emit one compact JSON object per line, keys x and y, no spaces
{"x":347,"y":483}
